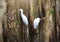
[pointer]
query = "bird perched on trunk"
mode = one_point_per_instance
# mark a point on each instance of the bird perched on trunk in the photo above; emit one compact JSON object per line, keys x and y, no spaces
{"x":36,"y":22}
{"x":24,"y":19}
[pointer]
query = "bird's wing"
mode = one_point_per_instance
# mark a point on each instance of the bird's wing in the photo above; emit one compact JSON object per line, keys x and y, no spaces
{"x":36,"y":22}
{"x":25,"y":20}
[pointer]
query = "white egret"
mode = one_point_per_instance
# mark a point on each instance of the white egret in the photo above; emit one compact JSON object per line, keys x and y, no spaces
{"x":24,"y":19}
{"x":36,"y":22}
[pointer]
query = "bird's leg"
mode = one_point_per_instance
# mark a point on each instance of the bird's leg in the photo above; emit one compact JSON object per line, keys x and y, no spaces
{"x":27,"y":32}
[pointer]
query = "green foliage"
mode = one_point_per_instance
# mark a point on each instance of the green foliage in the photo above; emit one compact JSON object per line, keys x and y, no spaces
{"x":51,"y":11}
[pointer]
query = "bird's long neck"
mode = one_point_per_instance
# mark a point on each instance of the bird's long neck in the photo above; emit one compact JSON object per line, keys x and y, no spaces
{"x":21,"y":13}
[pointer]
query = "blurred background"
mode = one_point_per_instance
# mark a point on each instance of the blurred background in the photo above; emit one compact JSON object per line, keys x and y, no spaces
{"x":12,"y":28}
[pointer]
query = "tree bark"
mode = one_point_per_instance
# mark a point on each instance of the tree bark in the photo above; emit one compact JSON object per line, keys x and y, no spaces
{"x":2,"y":12}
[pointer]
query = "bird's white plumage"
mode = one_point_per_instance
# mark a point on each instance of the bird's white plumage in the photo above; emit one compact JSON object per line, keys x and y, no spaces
{"x":36,"y":22}
{"x":24,"y":18}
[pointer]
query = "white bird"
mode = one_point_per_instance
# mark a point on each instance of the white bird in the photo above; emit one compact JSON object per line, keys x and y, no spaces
{"x":36,"y":22}
{"x":25,"y":20}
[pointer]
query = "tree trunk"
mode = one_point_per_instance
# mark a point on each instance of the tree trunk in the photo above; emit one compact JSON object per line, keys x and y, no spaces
{"x":49,"y":22}
{"x":2,"y":12}
{"x":11,"y":33}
